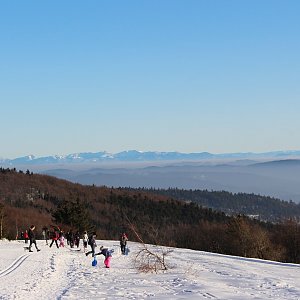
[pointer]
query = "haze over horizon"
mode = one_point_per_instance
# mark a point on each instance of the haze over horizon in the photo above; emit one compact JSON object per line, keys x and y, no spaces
{"x":186,"y":76}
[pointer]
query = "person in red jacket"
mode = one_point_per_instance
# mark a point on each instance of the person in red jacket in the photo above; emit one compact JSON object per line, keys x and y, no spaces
{"x":26,"y":236}
{"x":54,"y":237}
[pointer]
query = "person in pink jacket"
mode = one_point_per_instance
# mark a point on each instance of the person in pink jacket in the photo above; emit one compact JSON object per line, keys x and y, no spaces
{"x":107,"y":254}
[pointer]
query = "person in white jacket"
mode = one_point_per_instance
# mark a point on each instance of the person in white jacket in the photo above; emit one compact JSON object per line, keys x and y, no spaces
{"x":85,"y":240}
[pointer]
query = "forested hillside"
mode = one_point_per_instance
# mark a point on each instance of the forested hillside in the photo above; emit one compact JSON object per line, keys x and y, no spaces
{"x":261,"y":207}
{"x":27,"y":198}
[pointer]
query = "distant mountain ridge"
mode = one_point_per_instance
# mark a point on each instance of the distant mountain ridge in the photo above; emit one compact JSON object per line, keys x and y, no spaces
{"x":275,"y":174}
{"x":139,"y":156}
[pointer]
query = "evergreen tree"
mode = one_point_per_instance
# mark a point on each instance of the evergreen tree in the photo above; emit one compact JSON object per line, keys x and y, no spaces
{"x":74,"y":214}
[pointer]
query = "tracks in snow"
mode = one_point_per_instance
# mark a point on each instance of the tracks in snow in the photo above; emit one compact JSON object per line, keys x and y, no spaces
{"x":14,"y":265}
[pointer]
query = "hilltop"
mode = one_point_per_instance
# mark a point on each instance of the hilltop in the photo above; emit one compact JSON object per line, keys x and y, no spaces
{"x":27,"y":198}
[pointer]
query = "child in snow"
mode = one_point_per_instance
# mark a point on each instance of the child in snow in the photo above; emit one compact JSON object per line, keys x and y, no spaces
{"x":61,"y":240}
{"x":107,"y":254}
{"x":26,"y":237}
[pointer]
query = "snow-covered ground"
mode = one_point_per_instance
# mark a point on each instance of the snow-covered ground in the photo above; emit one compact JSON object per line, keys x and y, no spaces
{"x":65,"y":274}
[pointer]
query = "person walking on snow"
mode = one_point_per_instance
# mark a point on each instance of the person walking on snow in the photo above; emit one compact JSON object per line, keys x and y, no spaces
{"x":26,"y":236}
{"x":55,"y":237}
{"x":85,"y":239}
{"x":71,"y":238}
{"x":77,"y":239}
{"x":61,"y":239}
{"x":123,"y":242}
{"x":45,"y":234}
{"x":32,"y":239}
{"x":92,"y":243}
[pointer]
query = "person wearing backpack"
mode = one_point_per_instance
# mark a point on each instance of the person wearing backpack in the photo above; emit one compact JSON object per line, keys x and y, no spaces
{"x":92,"y":243}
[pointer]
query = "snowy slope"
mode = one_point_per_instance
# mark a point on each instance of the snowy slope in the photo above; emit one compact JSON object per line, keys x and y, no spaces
{"x":65,"y":274}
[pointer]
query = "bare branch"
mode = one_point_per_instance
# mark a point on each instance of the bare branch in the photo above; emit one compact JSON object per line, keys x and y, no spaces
{"x":147,"y":260}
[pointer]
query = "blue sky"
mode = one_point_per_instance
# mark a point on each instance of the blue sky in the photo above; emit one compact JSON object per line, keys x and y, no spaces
{"x":161,"y":75}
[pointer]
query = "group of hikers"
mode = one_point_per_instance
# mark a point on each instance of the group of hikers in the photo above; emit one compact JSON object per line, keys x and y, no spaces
{"x":73,"y":240}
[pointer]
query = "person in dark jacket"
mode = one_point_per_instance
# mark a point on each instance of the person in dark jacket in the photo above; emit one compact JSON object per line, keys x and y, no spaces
{"x":32,"y":239}
{"x":92,"y":243}
{"x":71,"y":239}
{"x":77,"y":239}
{"x":123,"y":242}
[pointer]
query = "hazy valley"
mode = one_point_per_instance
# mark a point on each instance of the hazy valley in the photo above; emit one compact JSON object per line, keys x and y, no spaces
{"x":280,"y":179}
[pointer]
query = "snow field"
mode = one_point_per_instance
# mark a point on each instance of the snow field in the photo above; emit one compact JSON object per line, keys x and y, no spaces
{"x":66,"y":274}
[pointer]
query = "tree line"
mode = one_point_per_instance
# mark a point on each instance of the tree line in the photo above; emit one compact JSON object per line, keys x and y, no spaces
{"x":264,"y":208}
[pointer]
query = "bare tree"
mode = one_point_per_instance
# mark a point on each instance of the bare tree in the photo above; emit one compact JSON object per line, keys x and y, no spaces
{"x":149,"y":258}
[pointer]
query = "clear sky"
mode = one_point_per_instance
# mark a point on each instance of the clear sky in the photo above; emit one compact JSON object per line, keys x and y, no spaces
{"x":160,"y":75}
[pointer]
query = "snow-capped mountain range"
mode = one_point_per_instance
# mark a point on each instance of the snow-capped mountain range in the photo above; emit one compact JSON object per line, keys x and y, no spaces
{"x":138,"y":156}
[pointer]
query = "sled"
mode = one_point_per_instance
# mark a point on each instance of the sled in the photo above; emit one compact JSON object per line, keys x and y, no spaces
{"x":94,"y":262}
{"x":74,"y":249}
